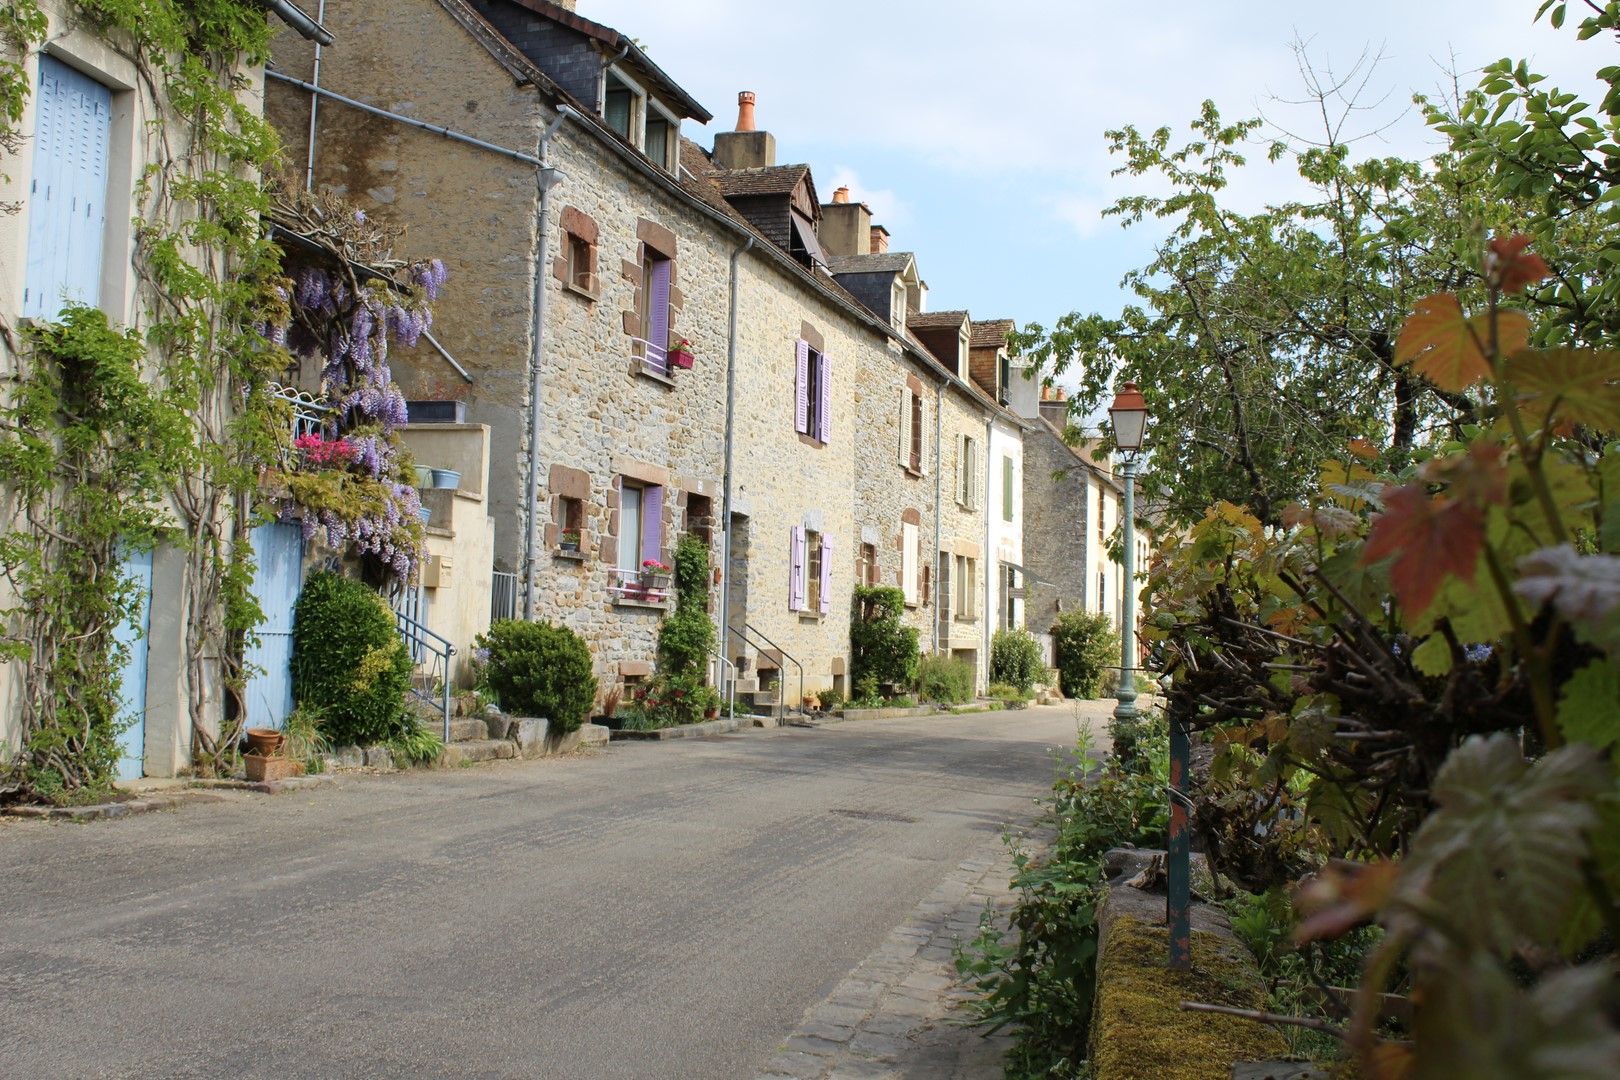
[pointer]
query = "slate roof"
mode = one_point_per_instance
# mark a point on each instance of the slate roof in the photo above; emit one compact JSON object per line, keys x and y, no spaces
{"x":990,"y":334}
{"x":893,"y":262}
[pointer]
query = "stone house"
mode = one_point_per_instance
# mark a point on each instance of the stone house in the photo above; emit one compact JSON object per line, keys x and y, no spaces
{"x":75,"y":181}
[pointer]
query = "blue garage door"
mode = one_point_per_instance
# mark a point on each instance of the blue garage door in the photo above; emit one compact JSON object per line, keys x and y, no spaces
{"x":67,"y":200}
{"x":278,"y":551}
{"x":131,"y":635}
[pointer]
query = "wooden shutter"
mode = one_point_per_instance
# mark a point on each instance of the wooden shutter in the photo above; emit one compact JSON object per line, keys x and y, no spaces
{"x":67,"y":211}
{"x":826,"y":574}
{"x":961,"y":473}
{"x":905,"y":428}
{"x":801,"y":389}
{"x":908,"y":561}
{"x":658,"y":317}
{"x":796,"y":569}
{"x":652,"y":523}
{"x":824,"y":400}
{"x":1006,"y":488}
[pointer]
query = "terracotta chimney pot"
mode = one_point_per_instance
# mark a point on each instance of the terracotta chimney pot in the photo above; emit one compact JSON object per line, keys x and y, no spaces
{"x":745,"y":111}
{"x":841,"y":195}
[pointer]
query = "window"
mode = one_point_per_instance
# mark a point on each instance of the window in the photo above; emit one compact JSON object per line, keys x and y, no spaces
{"x":1009,"y":601}
{"x":1102,"y":590}
{"x":700,"y":517}
{"x":809,"y":571}
{"x":641,"y":525}
{"x":643,"y":124}
{"x":1102,"y":514}
{"x":657,"y":143}
{"x":897,"y":306}
{"x":812,"y":394}
{"x":916,"y":440}
{"x":570,"y":524}
{"x":621,"y":107}
{"x":581,"y":264}
{"x":655,"y":280}
{"x":67,"y":211}
{"x":909,"y":569}
{"x":1007,"y":481}
{"x":967,"y":472}
{"x":866,"y":564}
{"x":812,"y":577}
{"x":966,"y":575}
{"x":1003,"y":377}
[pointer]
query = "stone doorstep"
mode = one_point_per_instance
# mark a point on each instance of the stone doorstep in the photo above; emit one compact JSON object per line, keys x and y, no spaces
{"x":705,"y":729}
{"x":268,"y":787}
{"x":97,"y":811}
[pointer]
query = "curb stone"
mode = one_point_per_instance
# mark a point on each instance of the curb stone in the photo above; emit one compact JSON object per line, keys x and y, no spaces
{"x":902,"y":1011}
{"x":98,"y":811}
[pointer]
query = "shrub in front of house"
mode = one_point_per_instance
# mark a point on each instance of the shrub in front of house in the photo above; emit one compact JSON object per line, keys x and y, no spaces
{"x":883,"y":651}
{"x":945,"y":679}
{"x":1015,"y":659}
{"x":349,"y":663}
{"x":1087,"y":651}
{"x":537,"y":669}
{"x":686,"y":639}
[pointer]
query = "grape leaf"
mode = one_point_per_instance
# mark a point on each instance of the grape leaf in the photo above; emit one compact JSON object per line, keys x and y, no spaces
{"x":1433,"y":657}
{"x":1430,"y":540}
{"x":1448,"y":348}
{"x":1584,"y":589}
{"x":1573,"y":385}
{"x":1510,"y":267}
{"x":1589,"y":706}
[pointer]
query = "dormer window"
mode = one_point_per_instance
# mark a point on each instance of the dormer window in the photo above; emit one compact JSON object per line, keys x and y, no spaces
{"x":640,"y":120}
{"x":898,"y":304}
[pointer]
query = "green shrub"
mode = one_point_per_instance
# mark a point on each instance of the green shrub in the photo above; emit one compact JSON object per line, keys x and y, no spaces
{"x":687,"y":637}
{"x":417,"y":745}
{"x":900,"y":701}
{"x":945,"y":679}
{"x":668,"y":700}
{"x":831,"y":699}
{"x":882,"y":649}
{"x":1086,"y":648}
{"x":349,"y":663}
{"x":1015,"y":659}
{"x":1009,"y":695}
{"x":868,"y":695}
{"x":537,"y":669}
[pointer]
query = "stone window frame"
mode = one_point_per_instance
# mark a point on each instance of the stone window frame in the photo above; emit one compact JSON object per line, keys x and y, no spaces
{"x":916,"y":426}
{"x":661,"y":240}
{"x":921,"y":594}
{"x":642,"y":475}
{"x":581,"y":235}
{"x":818,"y":348}
{"x":569,"y":485}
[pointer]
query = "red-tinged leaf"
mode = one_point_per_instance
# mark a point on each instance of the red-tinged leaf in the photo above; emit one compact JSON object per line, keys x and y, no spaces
{"x":1510,"y":267}
{"x":1577,"y":386}
{"x":1430,"y":538}
{"x":1342,"y":896}
{"x":1478,"y":477}
{"x":1440,"y":344}
{"x":1363,"y":449}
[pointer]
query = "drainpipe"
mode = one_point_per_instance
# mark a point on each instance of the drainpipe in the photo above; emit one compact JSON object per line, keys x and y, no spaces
{"x":939,"y":491}
{"x":314,"y":104}
{"x":990,"y":558}
{"x":545,"y":180}
{"x":731,"y":444}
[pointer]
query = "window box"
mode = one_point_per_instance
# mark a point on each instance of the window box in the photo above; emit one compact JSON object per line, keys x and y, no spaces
{"x":648,"y":587}
{"x":680,"y":355}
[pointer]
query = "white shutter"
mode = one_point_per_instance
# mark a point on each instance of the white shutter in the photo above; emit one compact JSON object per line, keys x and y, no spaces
{"x":908,"y":561}
{"x":905,"y":428}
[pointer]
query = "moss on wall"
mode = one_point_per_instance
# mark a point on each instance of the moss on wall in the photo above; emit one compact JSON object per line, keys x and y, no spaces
{"x":1139,"y":1030}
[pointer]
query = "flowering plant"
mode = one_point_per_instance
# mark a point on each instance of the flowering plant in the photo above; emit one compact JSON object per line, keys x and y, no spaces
{"x":322,"y":452}
{"x":653,"y":566}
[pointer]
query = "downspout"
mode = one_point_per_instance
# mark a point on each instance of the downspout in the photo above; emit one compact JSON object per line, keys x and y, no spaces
{"x":990,"y":558}
{"x":545,"y":180}
{"x":939,"y":493}
{"x":731,"y":445}
{"x":314,"y":105}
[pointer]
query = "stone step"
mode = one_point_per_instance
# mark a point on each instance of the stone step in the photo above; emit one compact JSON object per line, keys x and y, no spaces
{"x":468,"y":728}
{"x":477,"y":750}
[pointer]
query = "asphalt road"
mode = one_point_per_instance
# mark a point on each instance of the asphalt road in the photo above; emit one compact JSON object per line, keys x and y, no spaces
{"x":654,"y":910}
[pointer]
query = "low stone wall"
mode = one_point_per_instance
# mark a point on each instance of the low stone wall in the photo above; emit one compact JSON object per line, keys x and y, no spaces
{"x":723,"y":726}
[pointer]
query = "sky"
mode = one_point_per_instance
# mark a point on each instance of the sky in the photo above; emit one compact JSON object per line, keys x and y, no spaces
{"x":975,"y":130}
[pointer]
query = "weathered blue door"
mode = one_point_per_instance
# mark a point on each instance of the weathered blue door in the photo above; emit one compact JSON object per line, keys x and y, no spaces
{"x":135,"y":566}
{"x":278,"y":551}
{"x":67,"y":200}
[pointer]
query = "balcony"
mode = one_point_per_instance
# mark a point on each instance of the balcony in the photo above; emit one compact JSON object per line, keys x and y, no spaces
{"x":646,"y":588}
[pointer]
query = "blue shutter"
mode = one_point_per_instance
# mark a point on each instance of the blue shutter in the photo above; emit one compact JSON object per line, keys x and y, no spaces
{"x":278,"y":578}
{"x":801,"y":389}
{"x":658,"y":317}
{"x":130,"y":635}
{"x":796,"y":569}
{"x":652,"y":523}
{"x":67,"y":213}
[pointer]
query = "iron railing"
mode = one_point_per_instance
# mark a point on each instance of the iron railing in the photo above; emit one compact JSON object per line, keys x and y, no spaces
{"x":503,"y":594}
{"x":781,"y":699}
{"x":655,"y":357}
{"x":434,"y":660}
{"x":310,"y":413}
{"x":730,"y":684}
{"x":645,"y":586}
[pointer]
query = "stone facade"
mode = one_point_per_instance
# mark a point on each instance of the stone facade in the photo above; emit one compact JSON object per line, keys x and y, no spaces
{"x":1059,"y":523}
{"x":961,"y":562}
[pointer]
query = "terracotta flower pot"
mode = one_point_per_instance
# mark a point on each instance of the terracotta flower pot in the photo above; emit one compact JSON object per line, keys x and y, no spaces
{"x":265,"y":742}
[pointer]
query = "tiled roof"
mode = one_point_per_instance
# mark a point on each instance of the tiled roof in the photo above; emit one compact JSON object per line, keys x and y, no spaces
{"x":990,"y":334}
{"x":926,"y":320}
{"x":893,"y":262}
{"x":769,"y":180}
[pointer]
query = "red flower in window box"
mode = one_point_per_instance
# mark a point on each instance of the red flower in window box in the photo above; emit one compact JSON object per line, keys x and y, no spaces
{"x":680,"y":354}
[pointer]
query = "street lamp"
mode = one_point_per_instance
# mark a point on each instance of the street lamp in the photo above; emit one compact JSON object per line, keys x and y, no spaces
{"x":1128,"y":415}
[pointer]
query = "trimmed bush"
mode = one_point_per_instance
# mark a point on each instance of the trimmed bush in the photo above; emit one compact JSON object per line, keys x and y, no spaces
{"x":537,"y":669}
{"x":1015,"y":659}
{"x":1087,"y":652}
{"x":883,"y":651}
{"x":349,"y":663}
{"x":945,"y":679}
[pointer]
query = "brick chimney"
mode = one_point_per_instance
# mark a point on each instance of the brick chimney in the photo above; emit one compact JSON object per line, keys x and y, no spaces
{"x":746,"y":147}
{"x":844,"y":225}
{"x":879,"y":240}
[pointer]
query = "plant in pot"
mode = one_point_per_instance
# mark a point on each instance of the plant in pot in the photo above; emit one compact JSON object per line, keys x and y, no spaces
{"x":568,"y":540}
{"x":446,"y":478}
{"x":680,"y":354}
{"x":654,"y":579}
{"x":266,"y":757}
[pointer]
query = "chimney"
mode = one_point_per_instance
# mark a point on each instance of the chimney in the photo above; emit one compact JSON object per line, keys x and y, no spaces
{"x":879,"y":241}
{"x":844,"y":225}
{"x":745,"y":148}
{"x":1054,"y":410}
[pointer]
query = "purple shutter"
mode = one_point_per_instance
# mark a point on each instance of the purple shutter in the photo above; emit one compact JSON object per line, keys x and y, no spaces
{"x":801,"y":391}
{"x":658,"y":323}
{"x":796,"y":569}
{"x":652,"y":523}
{"x":826,"y":574}
{"x":824,"y":404}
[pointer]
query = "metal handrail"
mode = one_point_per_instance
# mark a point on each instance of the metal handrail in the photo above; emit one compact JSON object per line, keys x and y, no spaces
{"x":422,"y":642}
{"x":661,"y":365}
{"x":731,"y":695}
{"x":781,"y":699}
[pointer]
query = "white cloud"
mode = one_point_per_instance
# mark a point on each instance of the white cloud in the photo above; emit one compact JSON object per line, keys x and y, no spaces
{"x":888,"y":208}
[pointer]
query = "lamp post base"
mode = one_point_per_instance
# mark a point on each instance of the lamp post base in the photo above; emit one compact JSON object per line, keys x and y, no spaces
{"x":1126,"y":709}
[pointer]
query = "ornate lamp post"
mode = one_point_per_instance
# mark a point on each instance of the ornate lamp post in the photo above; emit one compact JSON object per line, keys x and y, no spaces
{"x":1128,"y":415}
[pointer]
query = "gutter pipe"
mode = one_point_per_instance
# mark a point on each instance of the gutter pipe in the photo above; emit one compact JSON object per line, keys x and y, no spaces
{"x":290,"y":14}
{"x":315,"y":102}
{"x":939,"y":507}
{"x":731,"y":446}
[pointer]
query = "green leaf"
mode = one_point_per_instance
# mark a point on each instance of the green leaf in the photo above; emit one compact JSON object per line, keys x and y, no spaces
{"x":1433,"y":657}
{"x":1573,"y":385}
{"x":1589,"y":706}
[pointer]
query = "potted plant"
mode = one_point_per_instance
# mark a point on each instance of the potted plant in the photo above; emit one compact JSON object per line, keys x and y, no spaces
{"x":680,"y":354}
{"x":266,"y":758}
{"x":568,"y":540}
{"x":654,"y":579}
{"x":446,"y":478}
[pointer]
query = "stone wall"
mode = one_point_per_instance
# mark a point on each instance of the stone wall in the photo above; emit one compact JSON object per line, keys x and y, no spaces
{"x":963,"y":528}
{"x":1058,"y":524}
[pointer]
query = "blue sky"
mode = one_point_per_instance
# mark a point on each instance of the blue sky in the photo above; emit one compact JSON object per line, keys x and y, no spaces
{"x":975,"y":130}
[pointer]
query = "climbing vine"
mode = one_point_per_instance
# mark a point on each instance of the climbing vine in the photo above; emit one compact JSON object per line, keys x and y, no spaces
{"x":206,"y":276}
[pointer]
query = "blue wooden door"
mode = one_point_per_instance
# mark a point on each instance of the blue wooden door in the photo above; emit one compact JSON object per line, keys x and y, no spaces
{"x":135,"y":566}
{"x":278,"y":551}
{"x":67,"y":200}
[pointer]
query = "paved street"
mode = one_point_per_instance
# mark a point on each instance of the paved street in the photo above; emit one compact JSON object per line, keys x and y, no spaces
{"x":655,"y":910}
